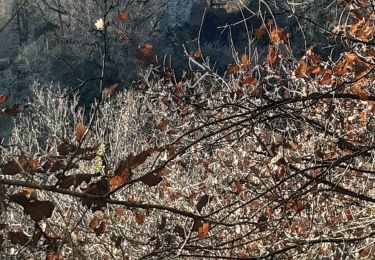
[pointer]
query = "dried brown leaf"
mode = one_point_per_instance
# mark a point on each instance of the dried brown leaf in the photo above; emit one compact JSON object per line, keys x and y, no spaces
{"x":203,"y":230}
{"x":110,"y":89}
{"x":151,"y":179}
{"x":260,"y":31}
{"x":80,"y":131}
{"x":3,"y":99}
{"x":202,"y":202}
{"x":11,"y":168}
{"x":122,"y":17}
{"x":139,"y":218}
{"x":18,"y":237}
{"x":117,"y":181}
{"x":94,"y":223}
{"x":301,"y":69}
{"x":102,"y":228}
{"x":39,"y":210}
{"x":14,"y":110}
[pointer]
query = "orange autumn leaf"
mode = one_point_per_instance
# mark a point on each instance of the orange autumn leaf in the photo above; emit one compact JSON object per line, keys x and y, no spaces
{"x":358,"y":90}
{"x":301,"y":69}
{"x":354,"y":27}
{"x":122,"y":17}
{"x":163,"y":125}
{"x":203,"y":230}
{"x":315,"y":58}
{"x":145,"y":52}
{"x":245,"y":59}
{"x":179,"y":85}
{"x":94,"y":223}
{"x":272,"y":57}
{"x":54,"y":256}
{"x":117,"y":181}
{"x":249,"y":81}
{"x":110,"y":89}
{"x":3,"y":99}
{"x":28,"y":164}
{"x":363,"y":118}
{"x":278,"y":35}
{"x":293,"y":146}
{"x":326,"y":80}
{"x":325,"y":72}
{"x":341,"y":69}
{"x":198,"y":53}
{"x":102,"y":228}
{"x":27,"y":191}
{"x":350,"y":57}
{"x":314,"y":69}
{"x":365,"y":32}
{"x":120,"y":210}
{"x":80,"y":131}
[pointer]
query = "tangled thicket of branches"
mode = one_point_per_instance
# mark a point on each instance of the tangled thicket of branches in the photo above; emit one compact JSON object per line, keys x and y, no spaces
{"x":274,"y":159}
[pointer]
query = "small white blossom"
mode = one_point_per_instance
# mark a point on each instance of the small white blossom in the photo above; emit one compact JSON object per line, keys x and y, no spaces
{"x":100,"y":24}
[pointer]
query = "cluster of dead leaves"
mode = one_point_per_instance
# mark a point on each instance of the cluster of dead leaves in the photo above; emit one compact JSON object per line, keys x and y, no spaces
{"x":361,"y":29}
{"x":123,"y":170}
{"x":20,"y":165}
{"x":98,"y":188}
{"x":350,"y":65}
{"x":272,"y":57}
{"x":277,"y":35}
{"x":99,"y":224}
{"x":243,"y":66}
{"x":86,"y":153}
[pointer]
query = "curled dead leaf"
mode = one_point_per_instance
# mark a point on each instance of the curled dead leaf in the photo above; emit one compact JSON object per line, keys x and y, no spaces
{"x":203,"y":230}
{"x":80,"y":131}
{"x":245,"y":59}
{"x":110,"y":89}
{"x":301,"y":69}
